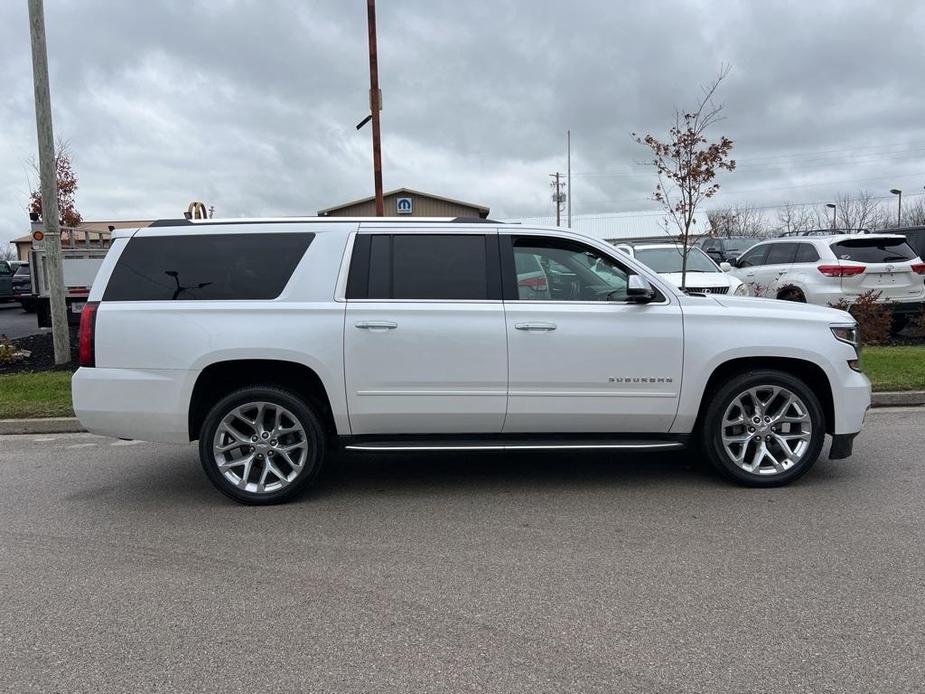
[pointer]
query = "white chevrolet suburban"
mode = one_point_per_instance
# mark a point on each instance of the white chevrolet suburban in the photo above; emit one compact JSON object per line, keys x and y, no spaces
{"x":272,"y":341}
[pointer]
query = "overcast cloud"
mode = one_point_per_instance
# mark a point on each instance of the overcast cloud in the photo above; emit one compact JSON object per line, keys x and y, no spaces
{"x":250,"y":105}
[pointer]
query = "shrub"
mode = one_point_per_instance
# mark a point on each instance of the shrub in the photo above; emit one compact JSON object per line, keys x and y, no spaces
{"x":8,"y":351}
{"x":874,"y":319}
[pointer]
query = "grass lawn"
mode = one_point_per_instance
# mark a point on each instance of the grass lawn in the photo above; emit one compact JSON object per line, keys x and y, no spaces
{"x":48,"y":393}
{"x":895,"y":368}
{"x":43,"y":394}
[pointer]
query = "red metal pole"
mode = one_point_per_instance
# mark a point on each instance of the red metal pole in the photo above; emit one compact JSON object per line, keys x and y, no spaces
{"x":374,"y":106}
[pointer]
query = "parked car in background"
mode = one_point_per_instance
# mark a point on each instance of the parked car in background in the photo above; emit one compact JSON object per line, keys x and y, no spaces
{"x":22,"y":287}
{"x":6,"y":280}
{"x":825,"y":269}
{"x":915,"y":237}
{"x":725,"y":249}
{"x":703,"y":275}
{"x":7,"y":270}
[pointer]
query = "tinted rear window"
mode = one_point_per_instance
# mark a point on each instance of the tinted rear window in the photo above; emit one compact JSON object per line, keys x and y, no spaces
{"x":873,"y":250}
{"x":425,"y":266}
{"x":22,"y":270}
{"x":207,"y":267}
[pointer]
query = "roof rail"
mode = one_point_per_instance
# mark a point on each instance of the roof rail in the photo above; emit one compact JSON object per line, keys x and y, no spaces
{"x":823,"y":232}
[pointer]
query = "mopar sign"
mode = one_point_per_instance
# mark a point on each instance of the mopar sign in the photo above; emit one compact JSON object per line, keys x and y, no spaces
{"x":404,"y":206}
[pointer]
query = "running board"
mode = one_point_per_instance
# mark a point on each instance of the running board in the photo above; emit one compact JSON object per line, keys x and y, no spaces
{"x":393,"y":446}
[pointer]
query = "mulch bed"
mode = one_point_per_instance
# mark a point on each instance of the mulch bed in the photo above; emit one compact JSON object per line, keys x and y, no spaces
{"x":42,"y":357}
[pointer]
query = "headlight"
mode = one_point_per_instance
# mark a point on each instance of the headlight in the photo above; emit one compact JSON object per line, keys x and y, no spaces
{"x":847,"y":333}
{"x":850,"y":335}
{"x":742,"y":290}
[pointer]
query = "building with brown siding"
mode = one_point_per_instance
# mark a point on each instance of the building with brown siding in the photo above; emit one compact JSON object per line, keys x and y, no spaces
{"x":406,"y":202}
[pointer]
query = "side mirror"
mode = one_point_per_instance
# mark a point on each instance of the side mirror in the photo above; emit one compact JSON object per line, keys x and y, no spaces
{"x":639,"y":290}
{"x":725,"y":267}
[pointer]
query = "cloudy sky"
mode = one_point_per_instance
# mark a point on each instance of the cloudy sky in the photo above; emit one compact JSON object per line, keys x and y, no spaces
{"x":250,"y":105}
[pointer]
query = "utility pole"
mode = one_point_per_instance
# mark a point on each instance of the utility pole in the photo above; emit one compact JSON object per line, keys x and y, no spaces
{"x":568,"y":179}
{"x":558,"y":197}
{"x":374,"y":105}
{"x":49,"y":183}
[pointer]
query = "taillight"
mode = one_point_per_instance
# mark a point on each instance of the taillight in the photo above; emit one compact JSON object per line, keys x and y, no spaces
{"x":840,"y":270}
{"x":918,"y":268}
{"x":86,"y":336}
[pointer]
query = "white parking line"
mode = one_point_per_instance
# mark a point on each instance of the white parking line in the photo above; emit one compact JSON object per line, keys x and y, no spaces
{"x":81,"y":445}
{"x":125,"y":443}
{"x":45,"y":439}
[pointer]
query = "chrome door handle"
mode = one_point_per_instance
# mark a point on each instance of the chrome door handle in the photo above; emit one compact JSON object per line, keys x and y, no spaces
{"x":749,"y":274}
{"x":544,"y":327}
{"x":376,"y":325}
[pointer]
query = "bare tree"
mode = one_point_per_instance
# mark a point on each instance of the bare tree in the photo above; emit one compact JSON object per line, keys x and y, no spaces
{"x":686,"y":165}
{"x":737,"y":220}
{"x":860,"y":211}
{"x":8,"y":252}
{"x":913,"y":214}
{"x":796,"y":218}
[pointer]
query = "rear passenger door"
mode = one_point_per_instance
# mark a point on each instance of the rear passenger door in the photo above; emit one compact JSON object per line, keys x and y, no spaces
{"x":425,"y":350}
{"x":776,"y":268}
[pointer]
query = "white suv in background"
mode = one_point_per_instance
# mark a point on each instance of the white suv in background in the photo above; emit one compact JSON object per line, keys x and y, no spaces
{"x":824,"y":269}
{"x":704,"y":276}
{"x":274,"y":341}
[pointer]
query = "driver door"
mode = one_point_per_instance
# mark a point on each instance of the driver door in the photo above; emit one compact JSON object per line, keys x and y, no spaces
{"x":582,"y":358}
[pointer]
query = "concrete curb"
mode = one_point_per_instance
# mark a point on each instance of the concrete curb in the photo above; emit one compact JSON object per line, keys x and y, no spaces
{"x":46,"y":425}
{"x":898,"y":398}
{"x":71,"y":425}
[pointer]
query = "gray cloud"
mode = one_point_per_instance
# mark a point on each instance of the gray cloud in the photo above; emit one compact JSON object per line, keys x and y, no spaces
{"x":251,"y":105}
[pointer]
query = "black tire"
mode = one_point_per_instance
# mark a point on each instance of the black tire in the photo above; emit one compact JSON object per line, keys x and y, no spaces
{"x":711,"y":428}
{"x":792,"y":294}
{"x":303,"y":413}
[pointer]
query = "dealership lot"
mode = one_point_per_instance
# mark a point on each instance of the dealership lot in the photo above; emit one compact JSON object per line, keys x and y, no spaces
{"x":121,"y":568}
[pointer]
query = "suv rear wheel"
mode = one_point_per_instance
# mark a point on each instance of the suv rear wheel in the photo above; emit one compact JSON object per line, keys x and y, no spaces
{"x":261,"y":445}
{"x":763,"y":429}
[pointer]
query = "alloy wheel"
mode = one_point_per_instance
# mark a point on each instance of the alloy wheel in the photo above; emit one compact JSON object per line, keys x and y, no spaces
{"x":260,"y":447}
{"x":766,"y":430}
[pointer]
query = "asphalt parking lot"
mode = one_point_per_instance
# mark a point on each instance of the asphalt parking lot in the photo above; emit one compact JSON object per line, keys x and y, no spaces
{"x":14,"y":322}
{"x":122,"y":570}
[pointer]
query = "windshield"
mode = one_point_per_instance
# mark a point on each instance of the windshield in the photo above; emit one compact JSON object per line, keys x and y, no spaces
{"x":22,"y":270}
{"x":664,"y":260}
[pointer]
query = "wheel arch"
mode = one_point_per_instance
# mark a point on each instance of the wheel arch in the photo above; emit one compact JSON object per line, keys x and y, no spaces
{"x":808,"y":372}
{"x":223,"y":377}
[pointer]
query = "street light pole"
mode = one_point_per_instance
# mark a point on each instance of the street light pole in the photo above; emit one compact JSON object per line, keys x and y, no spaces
{"x":899,"y":215}
{"x":375,"y":106}
{"x":832,"y":207}
{"x":49,"y":184}
{"x":568,"y":179}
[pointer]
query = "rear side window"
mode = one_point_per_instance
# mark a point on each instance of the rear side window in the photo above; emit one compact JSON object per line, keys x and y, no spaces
{"x":873,"y":250}
{"x":206,"y":267}
{"x":425,"y":267}
{"x":781,"y":254}
{"x":806,"y":254}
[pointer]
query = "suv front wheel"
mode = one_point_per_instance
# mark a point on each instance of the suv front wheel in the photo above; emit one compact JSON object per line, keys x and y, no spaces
{"x":763,"y":428}
{"x":261,"y":445}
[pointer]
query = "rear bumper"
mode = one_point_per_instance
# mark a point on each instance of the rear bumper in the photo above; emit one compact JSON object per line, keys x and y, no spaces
{"x":149,"y":405}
